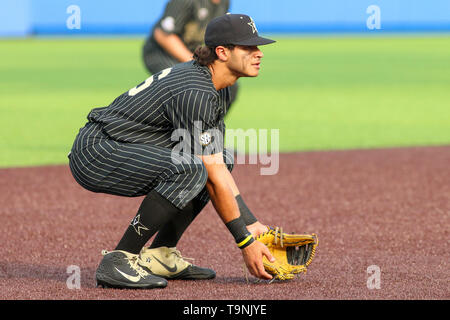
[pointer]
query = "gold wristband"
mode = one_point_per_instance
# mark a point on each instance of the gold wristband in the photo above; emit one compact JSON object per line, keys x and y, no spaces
{"x":245,"y":242}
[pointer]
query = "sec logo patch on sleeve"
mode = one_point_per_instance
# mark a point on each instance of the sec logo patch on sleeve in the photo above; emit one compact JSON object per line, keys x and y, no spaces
{"x":205,"y":139}
{"x":168,"y":24}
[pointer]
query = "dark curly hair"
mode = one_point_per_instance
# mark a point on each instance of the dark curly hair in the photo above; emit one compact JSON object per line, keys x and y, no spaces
{"x":205,"y":55}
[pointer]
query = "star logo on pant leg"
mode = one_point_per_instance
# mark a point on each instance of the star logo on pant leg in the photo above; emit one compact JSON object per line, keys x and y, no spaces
{"x":137,"y":225}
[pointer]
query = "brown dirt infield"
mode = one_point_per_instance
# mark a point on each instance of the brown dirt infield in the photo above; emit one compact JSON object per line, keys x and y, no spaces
{"x":384,"y":207}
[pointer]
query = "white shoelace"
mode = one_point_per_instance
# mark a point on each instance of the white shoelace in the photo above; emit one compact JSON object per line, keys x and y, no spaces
{"x":178,"y":256}
{"x":133,"y":262}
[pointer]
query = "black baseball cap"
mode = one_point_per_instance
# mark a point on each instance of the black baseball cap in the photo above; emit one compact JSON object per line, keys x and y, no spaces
{"x":237,"y":29}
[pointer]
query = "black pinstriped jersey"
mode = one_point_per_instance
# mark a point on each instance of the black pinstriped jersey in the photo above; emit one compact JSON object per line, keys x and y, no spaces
{"x":177,"y":107}
{"x":188,"y":19}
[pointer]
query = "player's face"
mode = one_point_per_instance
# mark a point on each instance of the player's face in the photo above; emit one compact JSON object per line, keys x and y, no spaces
{"x":245,"y":61}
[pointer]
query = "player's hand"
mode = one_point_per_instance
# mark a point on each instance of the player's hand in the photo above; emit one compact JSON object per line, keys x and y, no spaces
{"x":257,"y":228}
{"x":253,"y":257}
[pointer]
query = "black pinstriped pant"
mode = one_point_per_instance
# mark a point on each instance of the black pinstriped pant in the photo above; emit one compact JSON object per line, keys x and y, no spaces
{"x":100,"y":164}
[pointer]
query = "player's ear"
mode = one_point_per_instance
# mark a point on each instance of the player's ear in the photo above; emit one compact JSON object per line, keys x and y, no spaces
{"x":222,"y":53}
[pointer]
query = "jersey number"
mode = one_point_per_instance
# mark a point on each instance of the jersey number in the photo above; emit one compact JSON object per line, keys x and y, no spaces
{"x":148,"y":82}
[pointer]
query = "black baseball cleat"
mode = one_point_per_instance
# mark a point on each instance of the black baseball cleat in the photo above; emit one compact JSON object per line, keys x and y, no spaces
{"x":168,"y":263}
{"x":120,"y":269}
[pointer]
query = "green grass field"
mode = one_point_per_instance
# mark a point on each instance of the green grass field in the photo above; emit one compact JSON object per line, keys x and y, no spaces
{"x":320,"y":92}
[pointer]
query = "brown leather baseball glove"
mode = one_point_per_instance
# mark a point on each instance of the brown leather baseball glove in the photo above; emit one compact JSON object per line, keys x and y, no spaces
{"x":293,"y":252}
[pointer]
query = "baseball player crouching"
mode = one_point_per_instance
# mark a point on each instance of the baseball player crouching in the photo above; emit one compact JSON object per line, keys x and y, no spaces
{"x":163,"y":139}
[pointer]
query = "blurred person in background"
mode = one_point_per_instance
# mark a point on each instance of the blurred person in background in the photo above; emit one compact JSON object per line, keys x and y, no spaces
{"x":179,"y":31}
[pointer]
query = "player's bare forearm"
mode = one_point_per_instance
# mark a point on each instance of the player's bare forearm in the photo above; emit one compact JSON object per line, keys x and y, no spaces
{"x":173,"y":45}
{"x":220,"y":188}
{"x":257,"y":228}
{"x":231,"y":183}
{"x":254,"y":228}
{"x":223,"y":201}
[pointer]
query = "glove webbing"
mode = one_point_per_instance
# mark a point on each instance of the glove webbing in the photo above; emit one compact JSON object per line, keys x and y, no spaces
{"x":280,"y":231}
